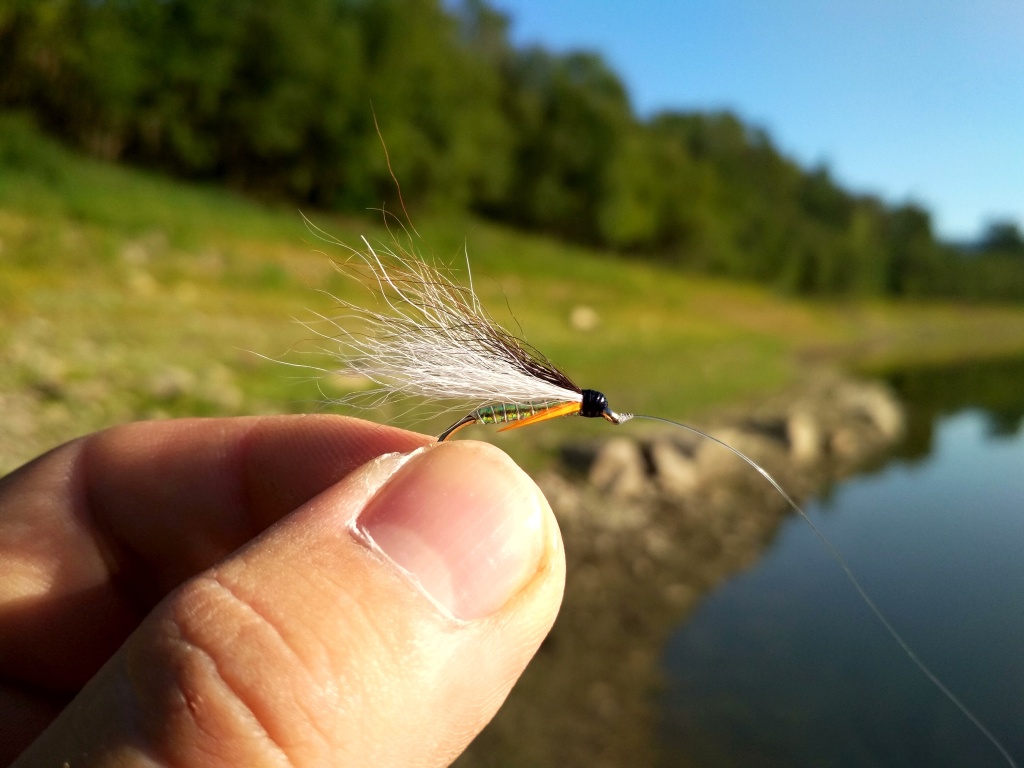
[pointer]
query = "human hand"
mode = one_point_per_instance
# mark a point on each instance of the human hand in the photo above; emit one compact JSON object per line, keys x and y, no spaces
{"x":266,"y":591}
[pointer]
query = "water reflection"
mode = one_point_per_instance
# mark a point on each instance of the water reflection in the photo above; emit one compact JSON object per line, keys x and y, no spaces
{"x":784,"y":667}
{"x":994,"y":388}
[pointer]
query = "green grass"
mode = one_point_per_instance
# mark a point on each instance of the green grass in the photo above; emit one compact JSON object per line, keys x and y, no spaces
{"x":126,"y":295}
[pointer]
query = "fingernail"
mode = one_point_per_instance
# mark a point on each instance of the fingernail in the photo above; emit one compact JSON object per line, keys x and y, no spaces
{"x":463,"y":521}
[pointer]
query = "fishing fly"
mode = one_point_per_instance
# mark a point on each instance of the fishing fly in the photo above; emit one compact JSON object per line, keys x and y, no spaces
{"x":428,"y":336}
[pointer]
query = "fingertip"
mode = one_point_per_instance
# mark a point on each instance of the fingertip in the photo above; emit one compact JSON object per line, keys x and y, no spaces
{"x":465,"y":524}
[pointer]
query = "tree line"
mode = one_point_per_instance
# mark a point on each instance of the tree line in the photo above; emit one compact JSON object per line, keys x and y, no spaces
{"x":279,"y":98}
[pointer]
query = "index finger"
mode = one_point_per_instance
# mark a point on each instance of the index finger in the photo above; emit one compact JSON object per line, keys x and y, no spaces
{"x":94,"y":533}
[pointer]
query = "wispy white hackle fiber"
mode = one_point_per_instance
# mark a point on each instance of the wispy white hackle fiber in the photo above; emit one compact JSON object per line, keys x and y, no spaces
{"x":427,"y":336}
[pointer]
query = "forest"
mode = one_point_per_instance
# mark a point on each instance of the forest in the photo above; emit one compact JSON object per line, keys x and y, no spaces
{"x":282,"y":99}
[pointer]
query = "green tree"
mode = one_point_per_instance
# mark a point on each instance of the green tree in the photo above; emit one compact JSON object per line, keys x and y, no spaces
{"x":1002,"y":237}
{"x":571,"y":116}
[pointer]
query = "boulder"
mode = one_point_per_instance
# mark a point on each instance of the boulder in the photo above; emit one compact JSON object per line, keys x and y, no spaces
{"x":878,"y":405}
{"x":675,"y":471}
{"x":619,"y":469}
{"x":805,"y":436}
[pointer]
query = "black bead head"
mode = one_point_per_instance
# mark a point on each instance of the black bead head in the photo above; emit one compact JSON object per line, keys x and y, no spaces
{"x":594,"y":404}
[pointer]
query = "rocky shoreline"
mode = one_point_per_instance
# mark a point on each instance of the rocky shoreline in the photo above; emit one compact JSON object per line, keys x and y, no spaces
{"x":826,"y":431}
{"x":651,"y":524}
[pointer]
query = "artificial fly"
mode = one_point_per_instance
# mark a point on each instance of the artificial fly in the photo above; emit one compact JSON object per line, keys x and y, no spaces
{"x":431,"y":338}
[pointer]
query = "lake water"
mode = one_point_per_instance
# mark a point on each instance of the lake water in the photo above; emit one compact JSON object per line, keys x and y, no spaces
{"x":785,"y":666}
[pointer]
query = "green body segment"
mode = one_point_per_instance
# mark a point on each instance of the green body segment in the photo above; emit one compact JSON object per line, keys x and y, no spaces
{"x":505,"y":413}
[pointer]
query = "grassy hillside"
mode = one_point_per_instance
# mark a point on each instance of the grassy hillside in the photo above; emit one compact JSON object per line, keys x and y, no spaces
{"x":124,"y":295}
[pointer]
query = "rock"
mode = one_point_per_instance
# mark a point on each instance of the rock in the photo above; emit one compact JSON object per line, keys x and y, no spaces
{"x":142,"y":283}
{"x":879,"y":406}
{"x":847,"y":443}
{"x":659,"y":543}
{"x":618,"y":469}
{"x":562,"y":494}
{"x":887,"y":414}
{"x":145,"y":249}
{"x":134,"y":253}
{"x":806,"y":440}
{"x":674,"y":471}
{"x":681,"y":595}
{"x":584,"y":318}
{"x":603,"y":700}
{"x":829,"y":430}
{"x":48,"y":374}
{"x":172,"y":383}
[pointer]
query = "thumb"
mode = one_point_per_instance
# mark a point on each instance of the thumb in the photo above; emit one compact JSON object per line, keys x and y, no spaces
{"x":382,"y":623}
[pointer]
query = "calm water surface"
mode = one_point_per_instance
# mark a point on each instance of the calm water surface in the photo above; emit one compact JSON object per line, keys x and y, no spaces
{"x":784,"y":666}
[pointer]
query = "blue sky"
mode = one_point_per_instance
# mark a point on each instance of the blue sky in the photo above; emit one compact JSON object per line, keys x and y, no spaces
{"x":917,"y":100}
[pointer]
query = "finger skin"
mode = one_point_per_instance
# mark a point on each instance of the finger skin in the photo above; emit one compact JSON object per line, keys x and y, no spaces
{"x":309,"y":648}
{"x":98,"y":531}
{"x":303,"y":646}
